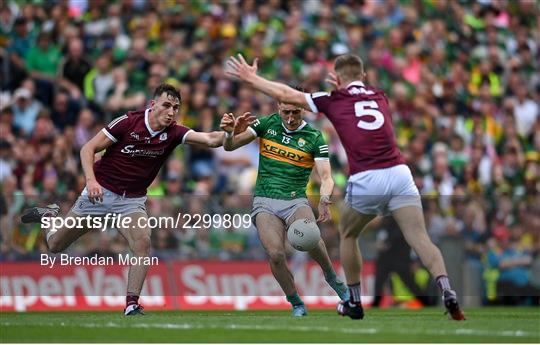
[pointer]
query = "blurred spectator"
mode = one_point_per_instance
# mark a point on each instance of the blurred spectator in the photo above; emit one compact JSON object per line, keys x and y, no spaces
{"x":25,"y":109}
{"x":84,"y":129}
{"x":99,"y":80}
{"x":74,"y":68}
{"x":462,"y":81}
{"x":7,"y":161}
{"x":525,"y":111}
{"x":394,"y":256}
{"x":21,"y":42}
{"x":64,"y":111}
{"x":513,"y":285}
{"x":474,"y":233}
{"x":42,"y":61}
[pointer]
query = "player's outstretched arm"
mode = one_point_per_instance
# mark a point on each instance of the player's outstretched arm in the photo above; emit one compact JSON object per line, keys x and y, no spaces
{"x":208,"y":139}
{"x":97,"y":144}
{"x":239,"y":68}
{"x":327,"y":185}
{"x":236,"y":130}
{"x":214,"y":139}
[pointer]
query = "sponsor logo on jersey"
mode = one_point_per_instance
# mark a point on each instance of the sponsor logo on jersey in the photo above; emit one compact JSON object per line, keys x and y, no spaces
{"x":357,"y":91}
{"x":163,"y":137}
{"x":286,"y":154}
{"x":131,"y":150}
{"x":301,"y":142}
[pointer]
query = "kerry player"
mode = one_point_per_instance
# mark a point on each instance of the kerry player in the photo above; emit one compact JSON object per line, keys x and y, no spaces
{"x":380,"y":183}
{"x":289,"y":149}
{"x":137,"y":145}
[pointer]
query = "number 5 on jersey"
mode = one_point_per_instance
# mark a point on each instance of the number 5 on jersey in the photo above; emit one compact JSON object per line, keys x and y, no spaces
{"x":368,"y":108}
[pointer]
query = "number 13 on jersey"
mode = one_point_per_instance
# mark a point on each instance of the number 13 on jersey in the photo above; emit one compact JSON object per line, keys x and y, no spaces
{"x":368,"y":108}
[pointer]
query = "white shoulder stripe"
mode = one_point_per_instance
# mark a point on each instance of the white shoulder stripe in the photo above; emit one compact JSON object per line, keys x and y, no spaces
{"x":116,"y":121}
{"x":109,"y":135}
{"x":185,"y":135}
{"x":310,"y":102}
{"x":319,"y":94}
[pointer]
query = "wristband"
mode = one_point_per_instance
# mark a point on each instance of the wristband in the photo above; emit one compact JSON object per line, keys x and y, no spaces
{"x":228,"y":135}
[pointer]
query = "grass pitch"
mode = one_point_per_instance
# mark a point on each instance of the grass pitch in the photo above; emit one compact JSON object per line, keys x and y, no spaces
{"x":505,"y":325}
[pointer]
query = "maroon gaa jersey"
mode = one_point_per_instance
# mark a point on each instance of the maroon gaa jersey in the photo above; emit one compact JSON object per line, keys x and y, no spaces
{"x":130,"y":165}
{"x":362,"y":120}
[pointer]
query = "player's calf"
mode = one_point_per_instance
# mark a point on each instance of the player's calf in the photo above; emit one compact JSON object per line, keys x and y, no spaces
{"x":277,"y":257}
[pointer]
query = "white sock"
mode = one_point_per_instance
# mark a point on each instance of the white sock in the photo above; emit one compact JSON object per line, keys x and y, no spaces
{"x":443,"y":283}
{"x":356,"y":295}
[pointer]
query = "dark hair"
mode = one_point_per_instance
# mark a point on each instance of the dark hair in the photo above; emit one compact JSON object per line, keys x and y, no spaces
{"x":168,"y":89}
{"x":20,"y":21}
{"x":349,"y":67}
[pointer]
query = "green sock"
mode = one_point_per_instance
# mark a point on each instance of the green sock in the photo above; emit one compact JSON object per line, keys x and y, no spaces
{"x":295,"y":299}
{"x":330,"y":275}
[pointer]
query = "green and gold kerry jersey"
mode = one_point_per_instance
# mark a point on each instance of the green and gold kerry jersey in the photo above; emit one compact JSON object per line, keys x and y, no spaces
{"x":286,"y":157}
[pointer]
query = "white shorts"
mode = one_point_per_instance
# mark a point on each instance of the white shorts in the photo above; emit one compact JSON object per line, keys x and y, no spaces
{"x":382,"y":191}
{"x":283,"y":209}
{"x":112,"y":203}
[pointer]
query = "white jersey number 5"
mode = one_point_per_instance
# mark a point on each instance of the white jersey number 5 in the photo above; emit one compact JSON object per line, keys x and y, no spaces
{"x":369,"y":108}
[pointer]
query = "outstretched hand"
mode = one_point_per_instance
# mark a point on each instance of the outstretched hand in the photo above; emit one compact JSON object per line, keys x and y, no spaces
{"x":243,"y":121}
{"x":237,"y":125}
{"x":239,"y":68}
{"x":332,"y":79}
{"x":227,"y":123}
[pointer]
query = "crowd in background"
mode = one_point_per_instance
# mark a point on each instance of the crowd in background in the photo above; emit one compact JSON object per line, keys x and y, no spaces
{"x":462,"y":79}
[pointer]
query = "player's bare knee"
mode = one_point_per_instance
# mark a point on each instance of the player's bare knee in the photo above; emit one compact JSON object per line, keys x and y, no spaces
{"x":277,"y":257}
{"x":347,"y":233}
{"x":55,"y":247}
{"x":141,"y":246}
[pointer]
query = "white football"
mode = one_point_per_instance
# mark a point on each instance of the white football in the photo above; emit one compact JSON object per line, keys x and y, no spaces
{"x":304,"y":234}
